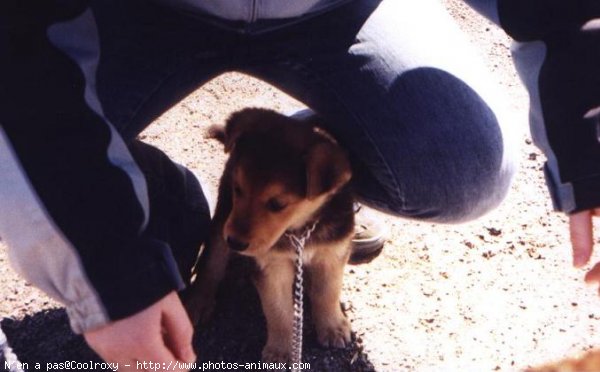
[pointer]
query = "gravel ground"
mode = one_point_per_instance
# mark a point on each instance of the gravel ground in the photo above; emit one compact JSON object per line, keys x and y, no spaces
{"x":495,"y":294}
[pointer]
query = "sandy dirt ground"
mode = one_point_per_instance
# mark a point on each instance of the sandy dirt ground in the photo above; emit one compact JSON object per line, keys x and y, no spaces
{"x":496,"y":294}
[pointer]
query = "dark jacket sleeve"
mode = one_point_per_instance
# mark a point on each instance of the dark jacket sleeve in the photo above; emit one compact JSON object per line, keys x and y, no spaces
{"x":557,"y":53}
{"x":73,"y":203}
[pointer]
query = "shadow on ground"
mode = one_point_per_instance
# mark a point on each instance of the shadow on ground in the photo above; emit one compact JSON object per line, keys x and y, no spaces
{"x":236,"y":335}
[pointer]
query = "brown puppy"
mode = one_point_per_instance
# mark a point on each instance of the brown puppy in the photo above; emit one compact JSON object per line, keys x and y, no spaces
{"x":282,"y":175}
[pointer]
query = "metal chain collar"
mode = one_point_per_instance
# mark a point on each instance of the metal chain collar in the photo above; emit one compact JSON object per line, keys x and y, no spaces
{"x":298,"y":243}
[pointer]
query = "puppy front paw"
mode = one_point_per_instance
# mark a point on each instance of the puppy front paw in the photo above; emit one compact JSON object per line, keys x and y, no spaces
{"x":334,"y":332}
{"x":277,"y":353}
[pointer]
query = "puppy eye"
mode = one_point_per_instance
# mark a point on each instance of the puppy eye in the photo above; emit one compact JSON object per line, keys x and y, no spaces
{"x":237,"y":190}
{"x":275,"y":205}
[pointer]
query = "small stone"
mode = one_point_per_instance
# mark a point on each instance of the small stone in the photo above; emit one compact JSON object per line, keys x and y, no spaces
{"x":493,"y":231}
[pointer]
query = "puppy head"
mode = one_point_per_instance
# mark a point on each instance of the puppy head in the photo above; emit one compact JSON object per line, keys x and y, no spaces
{"x":281,"y":171}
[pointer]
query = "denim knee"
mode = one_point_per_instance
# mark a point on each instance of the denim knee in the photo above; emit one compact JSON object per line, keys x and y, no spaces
{"x":458,"y":199}
{"x":448,"y":157}
{"x":451,"y":193}
{"x":448,"y":202}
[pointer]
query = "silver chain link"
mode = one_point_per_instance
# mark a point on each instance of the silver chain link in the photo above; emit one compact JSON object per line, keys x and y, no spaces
{"x":298,"y":242}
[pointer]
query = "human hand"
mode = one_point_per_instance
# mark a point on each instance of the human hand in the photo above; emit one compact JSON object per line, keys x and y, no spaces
{"x":582,"y":241}
{"x":161,"y":334}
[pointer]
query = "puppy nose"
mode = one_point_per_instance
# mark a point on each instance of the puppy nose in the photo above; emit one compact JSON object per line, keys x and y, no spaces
{"x":236,"y":245}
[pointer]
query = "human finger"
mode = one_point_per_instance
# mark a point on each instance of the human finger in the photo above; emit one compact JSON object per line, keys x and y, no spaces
{"x":156,"y":356}
{"x":582,"y":242}
{"x":178,"y":330}
{"x":593,"y":275}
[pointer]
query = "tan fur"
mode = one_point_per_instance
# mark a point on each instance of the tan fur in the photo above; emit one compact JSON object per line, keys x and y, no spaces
{"x":589,"y":362}
{"x":265,"y":228}
{"x":245,"y":213}
{"x":326,"y":271}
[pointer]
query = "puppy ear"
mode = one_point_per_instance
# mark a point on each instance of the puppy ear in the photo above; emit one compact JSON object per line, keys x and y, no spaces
{"x":327,"y":169}
{"x":250,"y":119}
{"x":217,"y":132}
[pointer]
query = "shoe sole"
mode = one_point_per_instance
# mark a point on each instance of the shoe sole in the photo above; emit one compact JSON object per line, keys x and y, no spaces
{"x":364,"y":251}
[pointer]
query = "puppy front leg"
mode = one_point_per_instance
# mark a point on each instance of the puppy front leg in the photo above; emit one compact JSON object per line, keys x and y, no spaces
{"x":274,"y":285}
{"x":326,"y":272}
{"x":199,"y":298}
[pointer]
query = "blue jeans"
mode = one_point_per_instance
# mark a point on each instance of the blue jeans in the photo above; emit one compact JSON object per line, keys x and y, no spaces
{"x":396,"y":82}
